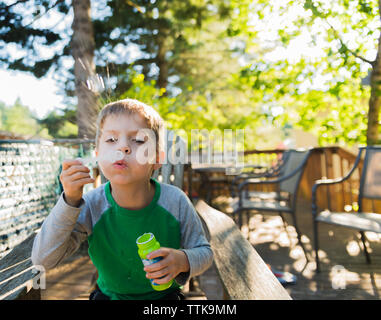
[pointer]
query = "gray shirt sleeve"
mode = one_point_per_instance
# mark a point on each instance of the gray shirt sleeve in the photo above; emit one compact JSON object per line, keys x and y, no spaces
{"x":61,"y":233}
{"x":193,"y":241}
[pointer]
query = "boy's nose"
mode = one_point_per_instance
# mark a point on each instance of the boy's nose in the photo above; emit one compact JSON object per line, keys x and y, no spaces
{"x":126,"y":150}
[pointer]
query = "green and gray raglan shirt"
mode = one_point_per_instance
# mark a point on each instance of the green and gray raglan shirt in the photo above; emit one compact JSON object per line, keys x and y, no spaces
{"x":112,"y":231}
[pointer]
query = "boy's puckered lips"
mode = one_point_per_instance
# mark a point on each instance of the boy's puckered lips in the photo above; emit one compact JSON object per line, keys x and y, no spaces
{"x":120,"y":164}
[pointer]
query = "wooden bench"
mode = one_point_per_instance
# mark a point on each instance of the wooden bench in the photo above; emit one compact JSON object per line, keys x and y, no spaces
{"x":17,"y":274}
{"x":243,"y":273}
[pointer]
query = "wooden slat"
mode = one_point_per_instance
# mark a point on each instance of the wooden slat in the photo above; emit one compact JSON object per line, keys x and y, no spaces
{"x":244,"y":274}
{"x":20,"y":253}
{"x":24,"y":279}
{"x":16,"y":271}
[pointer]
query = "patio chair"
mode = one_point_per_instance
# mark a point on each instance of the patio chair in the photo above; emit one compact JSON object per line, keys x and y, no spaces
{"x":276,"y":170}
{"x":283,"y":200}
{"x":369,"y":188}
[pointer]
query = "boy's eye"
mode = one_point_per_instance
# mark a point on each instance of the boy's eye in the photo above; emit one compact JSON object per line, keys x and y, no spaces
{"x":138,"y":140}
{"x":112,"y":139}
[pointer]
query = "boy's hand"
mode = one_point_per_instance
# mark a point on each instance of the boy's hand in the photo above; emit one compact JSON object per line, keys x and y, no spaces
{"x":173,"y":262}
{"x":73,"y":177}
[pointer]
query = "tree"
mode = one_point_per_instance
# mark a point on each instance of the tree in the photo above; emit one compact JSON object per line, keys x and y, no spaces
{"x":19,"y":26}
{"x":19,"y":30}
{"x":82,"y":46}
{"x":164,"y":33}
{"x":368,"y":10}
{"x":320,"y":87}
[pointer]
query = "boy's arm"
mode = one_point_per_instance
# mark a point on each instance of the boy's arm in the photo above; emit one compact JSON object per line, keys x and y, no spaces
{"x":193,"y":242}
{"x":61,"y":234}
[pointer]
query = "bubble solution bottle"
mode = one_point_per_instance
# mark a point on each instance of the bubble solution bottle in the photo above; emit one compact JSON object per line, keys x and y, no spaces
{"x":147,"y":243}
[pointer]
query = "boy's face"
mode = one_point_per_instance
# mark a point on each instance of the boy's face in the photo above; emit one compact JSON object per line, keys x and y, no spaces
{"x":126,"y":153}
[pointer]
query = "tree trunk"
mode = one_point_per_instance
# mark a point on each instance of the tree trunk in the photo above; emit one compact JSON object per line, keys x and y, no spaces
{"x":82,"y":45}
{"x":162,"y":64}
{"x":372,"y":136}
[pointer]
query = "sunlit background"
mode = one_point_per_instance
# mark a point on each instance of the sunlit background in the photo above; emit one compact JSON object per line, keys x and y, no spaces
{"x":277,"y":69}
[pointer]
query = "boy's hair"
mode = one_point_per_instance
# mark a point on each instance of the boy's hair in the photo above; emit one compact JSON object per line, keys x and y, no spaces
{"x":130,"y":107}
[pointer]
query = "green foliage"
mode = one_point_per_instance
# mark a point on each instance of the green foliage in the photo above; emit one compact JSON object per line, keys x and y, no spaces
{"x":190,"y":110}
{"x":67,"y":130}
{"x":224,"y":64}
{"x":17,"y":28}
{"x":167,"y":35}
{"x":19,"y":119}
{"x":61,"y":123}
{"x":318,"y":90}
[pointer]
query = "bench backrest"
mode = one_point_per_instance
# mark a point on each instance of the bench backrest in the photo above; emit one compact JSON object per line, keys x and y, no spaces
{"x":296,"y":159}
{"x":172,"y":170}
{"x":243,"y":273}
{"x":370,"y":183}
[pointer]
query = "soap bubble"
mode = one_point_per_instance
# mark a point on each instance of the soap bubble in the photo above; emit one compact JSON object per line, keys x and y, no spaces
{"x":112,"y":157}
{"x":95,"y":83}
{"x":109,"y":157}
{"x":119,"y":155}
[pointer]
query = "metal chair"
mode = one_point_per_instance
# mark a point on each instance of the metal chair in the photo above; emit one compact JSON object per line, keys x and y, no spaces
{"x":369,"y":188}
{"x":283,"y":200}
{"x":276,"y":170}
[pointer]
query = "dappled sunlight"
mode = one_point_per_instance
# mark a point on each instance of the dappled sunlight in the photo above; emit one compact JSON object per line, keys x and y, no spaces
{"x":278,"y":246}
{"x":245,"y":231}
{"x":346,"y":277}
{"x":255,"y":220}
{"x":307,"y":270}
{"x":296,"y":252}
{"x":305,"y":239}
{"x":274,"y":246}
{"x":323,"y":256}
{"x":312,"y":286}
{"x":372,"y":236}
{"x":274,"y":222}
{"x":339,"y":249}
{"x":284,"y":240}
{"x":252,"y":238}
{"x":353,"y":248}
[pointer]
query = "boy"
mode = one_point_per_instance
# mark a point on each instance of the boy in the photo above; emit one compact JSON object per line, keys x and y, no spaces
{"x":112,"y":216}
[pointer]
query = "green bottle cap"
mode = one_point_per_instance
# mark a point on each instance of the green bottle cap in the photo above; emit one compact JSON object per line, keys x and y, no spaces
{"x":145,"y":240}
